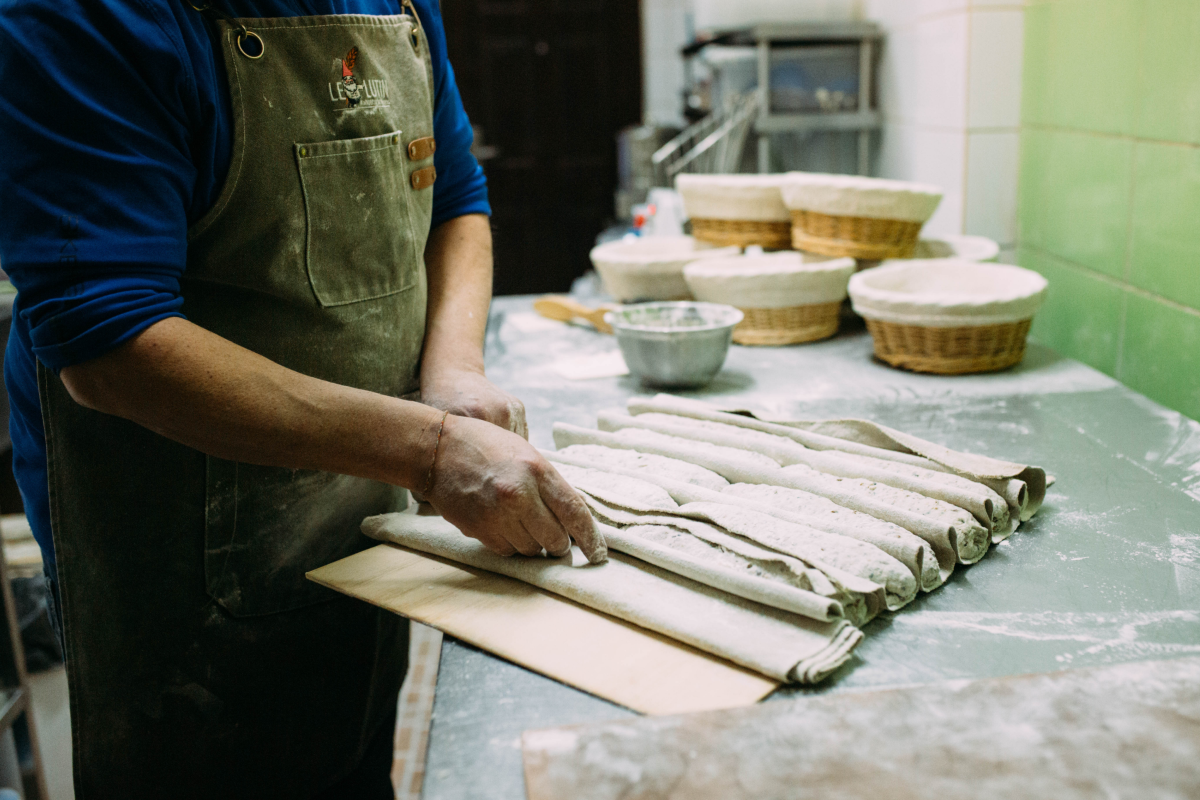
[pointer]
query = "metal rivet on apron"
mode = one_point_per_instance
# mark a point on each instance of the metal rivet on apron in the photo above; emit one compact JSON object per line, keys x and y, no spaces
{"x":395,"y":138}
{"x":303,"y":152}
{"x":416,"y":40}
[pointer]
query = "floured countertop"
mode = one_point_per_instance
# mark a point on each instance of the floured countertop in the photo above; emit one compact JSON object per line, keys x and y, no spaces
{"x":1129,"y":731}
{"x":1107,"y":573}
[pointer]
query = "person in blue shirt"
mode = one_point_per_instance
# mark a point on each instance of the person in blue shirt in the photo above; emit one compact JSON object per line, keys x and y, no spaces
{"x":253,"y":265}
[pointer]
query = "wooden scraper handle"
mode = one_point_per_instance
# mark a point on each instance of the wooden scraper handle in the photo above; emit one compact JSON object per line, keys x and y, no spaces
{"x":564,"y":309}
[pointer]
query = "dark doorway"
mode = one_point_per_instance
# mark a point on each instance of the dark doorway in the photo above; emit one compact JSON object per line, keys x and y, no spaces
{"x":549,"y":83}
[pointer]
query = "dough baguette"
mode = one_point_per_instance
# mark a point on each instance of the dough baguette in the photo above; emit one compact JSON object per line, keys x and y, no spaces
{"x":986,"y":506}
{"x":850,"y":565}
{"x":742,"y":466}
{"x":791,"y":505}
{"x":702,"y":553}
{"x":1014,"y":490}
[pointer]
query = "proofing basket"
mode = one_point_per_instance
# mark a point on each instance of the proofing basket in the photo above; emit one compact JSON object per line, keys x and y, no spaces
{"x":743,"y":233}
{"x":857,"y":237}
{"x":792,"y":325}
{"x":949,"y":351}
{"x":946,"y":315}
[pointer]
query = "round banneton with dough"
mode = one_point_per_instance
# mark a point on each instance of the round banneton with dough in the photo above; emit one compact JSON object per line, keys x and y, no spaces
{"x":851,"y":215}
{"x":787,"y":298}
{"x":651,"y":267}
{"x":740,"y":210}
{"x":948,"y":315}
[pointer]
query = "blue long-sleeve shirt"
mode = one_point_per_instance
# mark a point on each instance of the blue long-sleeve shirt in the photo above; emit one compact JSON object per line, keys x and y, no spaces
{"x":115,"y":135}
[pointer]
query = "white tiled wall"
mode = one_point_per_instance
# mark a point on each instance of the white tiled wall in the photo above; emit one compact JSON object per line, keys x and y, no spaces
{"x":664,"y":31}
{"x":950,"y":85}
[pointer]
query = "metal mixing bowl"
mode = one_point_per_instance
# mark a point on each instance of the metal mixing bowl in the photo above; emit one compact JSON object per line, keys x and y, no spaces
{"x":674,"y":345}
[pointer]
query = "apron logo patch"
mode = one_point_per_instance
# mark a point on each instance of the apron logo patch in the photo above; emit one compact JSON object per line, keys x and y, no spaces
{"x":349,"y":90}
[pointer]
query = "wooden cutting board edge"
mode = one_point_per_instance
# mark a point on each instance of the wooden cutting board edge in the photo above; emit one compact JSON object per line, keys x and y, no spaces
{"x":545,"y":633}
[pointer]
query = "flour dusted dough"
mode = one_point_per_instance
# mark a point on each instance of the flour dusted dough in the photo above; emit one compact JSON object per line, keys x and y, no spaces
{"x":711,"y":556}
{"x":630,"y":506}
{"x":849,"y":563}
{"x":827,"y":552}
{"x":793,"y":505}
{"x":776,"y":643}
{"x":648,"y":463}
{"x":972,"y":539}
{"x":1022,"y":487}
{"x":824,"y":514}
{"x":672,"y":549}
{"x":746,"y":467}
{"x":987,"y":506}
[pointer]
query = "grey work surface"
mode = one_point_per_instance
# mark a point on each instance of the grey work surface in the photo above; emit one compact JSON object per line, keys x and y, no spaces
{"x":1124,"y":731}
{"x":1107,"y":572}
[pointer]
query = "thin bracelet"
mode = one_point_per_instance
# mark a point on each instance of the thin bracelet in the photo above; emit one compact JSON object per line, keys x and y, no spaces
{"x":433,"y":460}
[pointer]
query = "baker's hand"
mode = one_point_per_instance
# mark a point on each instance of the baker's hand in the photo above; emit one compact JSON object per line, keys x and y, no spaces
{"x":495,"y":487}
{"x":467,"y":393}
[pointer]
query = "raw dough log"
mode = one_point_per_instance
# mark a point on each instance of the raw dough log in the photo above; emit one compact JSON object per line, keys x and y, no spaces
{"x":647,"y":464}
{"x":853,"y":568}
{"x":1020,"y":484}
{"x":640,"y":507}
{"x":827,"y":552}
{"x":705,"y":554}
{"x":657,"y":545}
{"x":745,"y":467}
{"x":996,"y":475}
{"x":824,"y":514}
{"x":776,"y":643}
{"x":927,"y":507}
{"x":987,"y":506}
{"x":791,"y":505}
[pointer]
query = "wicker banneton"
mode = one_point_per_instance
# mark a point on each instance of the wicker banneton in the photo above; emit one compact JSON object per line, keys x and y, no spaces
{"x":949,"y":351}
{"x":779,"y":326}
{"x":743,"y":233}
{"x":857,"y":237}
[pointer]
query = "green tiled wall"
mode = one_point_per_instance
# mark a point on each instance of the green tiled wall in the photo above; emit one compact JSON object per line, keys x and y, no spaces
{"x":1109,"y":198}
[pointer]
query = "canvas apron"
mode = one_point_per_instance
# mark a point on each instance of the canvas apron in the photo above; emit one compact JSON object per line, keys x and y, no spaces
{"x":200,"y":661}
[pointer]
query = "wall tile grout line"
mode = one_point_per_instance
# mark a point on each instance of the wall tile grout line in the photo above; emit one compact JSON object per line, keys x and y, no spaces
{"x":1034,"y":126}
{"x":1115,"y":282}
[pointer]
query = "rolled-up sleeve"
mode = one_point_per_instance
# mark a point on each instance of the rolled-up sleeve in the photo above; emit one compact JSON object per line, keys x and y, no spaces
{"x":97,"y":173}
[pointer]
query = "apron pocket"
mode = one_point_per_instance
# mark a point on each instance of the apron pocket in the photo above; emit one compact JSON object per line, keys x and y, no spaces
{"x":266,"y":526}
{"x":360,"y":241}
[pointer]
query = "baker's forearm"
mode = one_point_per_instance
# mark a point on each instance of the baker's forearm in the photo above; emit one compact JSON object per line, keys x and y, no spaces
{"x":458,"y":261}
{"x":206,"y":392}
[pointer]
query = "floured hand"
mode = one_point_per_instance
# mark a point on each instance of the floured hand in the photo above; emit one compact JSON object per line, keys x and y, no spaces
{"x":495,"y":487}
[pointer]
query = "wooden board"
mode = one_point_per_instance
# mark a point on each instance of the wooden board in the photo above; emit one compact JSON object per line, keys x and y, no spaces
{"x":1130,"y":731}
{"x":546,"y":633}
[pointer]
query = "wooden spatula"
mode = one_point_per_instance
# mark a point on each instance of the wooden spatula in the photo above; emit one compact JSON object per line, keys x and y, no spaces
{"x":565,"y":309}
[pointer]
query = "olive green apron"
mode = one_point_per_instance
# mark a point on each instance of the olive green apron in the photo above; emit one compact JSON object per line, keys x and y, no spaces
{"x":201,"y":663}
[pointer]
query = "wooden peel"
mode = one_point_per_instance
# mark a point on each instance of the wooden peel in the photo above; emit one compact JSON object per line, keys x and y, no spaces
{"x":564,"y":309}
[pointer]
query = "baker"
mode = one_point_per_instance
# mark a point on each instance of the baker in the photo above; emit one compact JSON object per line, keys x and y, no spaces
{"x":242,"y":234}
